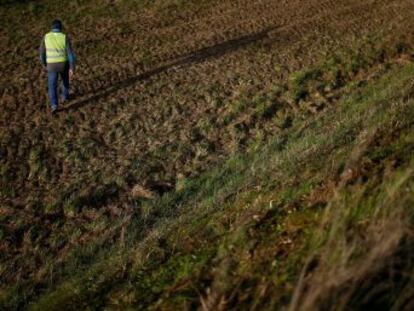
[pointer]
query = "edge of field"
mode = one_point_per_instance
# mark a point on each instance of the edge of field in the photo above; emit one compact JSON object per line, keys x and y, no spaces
{"x":322,"y":195}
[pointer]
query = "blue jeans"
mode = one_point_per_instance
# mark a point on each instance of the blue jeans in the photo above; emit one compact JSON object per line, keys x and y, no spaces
{"x":52,"y":77}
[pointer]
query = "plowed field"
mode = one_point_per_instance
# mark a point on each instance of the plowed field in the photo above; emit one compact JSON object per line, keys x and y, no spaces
{"x":163,"y":91}
{"x":153,"y":88}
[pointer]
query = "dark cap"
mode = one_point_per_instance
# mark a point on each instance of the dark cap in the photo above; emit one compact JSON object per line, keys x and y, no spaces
{"x":57,"y":24}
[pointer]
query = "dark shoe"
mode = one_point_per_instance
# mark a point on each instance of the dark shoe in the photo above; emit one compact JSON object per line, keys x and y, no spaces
{"x":67,"y":99}
{"x":54,"y":110}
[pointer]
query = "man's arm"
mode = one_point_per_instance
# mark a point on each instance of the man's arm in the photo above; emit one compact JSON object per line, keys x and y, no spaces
{"x":42,"y":52}
{"x":71,"y":54}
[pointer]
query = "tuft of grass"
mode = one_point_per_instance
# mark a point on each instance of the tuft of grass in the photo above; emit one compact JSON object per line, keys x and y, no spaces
{"x":299,"y":82}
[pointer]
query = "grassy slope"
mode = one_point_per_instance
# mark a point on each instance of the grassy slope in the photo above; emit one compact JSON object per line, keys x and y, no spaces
{"x":240,"y":233}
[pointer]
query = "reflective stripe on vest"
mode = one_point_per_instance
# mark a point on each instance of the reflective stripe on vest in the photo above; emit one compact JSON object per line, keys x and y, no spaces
{"x":55,"y":43}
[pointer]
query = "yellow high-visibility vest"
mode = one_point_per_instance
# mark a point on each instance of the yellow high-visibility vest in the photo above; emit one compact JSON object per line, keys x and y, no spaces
{"x":55,"y":43}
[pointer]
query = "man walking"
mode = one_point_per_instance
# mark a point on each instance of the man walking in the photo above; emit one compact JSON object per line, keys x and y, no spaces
{"x":57,"y":55}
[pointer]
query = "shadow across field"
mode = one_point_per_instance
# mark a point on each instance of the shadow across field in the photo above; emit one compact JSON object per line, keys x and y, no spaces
{"x":198,"y":56}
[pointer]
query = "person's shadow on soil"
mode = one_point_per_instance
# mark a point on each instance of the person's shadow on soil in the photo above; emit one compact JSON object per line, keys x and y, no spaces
{"x":198,"y":56}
